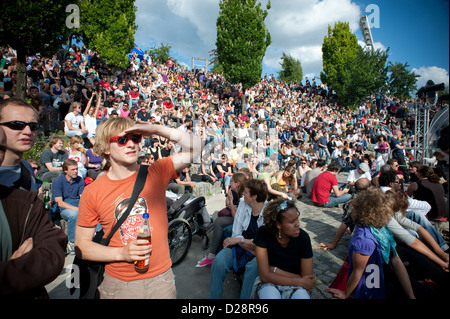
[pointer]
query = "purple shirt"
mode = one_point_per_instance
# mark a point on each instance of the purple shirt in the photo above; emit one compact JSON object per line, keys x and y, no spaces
{"x":94,"y":160}
{"x":371,"y":284}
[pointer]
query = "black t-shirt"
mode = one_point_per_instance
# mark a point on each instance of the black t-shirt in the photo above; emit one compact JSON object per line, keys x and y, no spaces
{"x":224,"y":167}
{"x":35,"y":75}
{"x":286,"y":258}
{"x":165,"y":152}
{"x":143,"y":117}
{"x":252,"y":228}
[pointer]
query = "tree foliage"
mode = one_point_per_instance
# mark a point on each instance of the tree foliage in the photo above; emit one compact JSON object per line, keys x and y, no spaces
{"x":291,"y":69}
{"x":242,"y":39}
{"x":401,"y":81}
{"x":364,"y":75}
{"x":108,"y":27}
{"x":339,"y":46}
{"x":31,"y":27}
{"x":161,"y":53}
{"x":352,"y":71}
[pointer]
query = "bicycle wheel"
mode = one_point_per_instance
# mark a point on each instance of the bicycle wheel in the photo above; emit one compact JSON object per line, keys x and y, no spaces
{"x":180,"y":238}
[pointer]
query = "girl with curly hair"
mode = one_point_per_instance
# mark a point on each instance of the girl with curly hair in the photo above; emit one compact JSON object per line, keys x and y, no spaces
{"x":283,"y":253}
{"x":370,"y":212}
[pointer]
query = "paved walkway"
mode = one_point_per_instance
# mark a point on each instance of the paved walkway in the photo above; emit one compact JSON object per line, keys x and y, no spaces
{"x":193,"y":283}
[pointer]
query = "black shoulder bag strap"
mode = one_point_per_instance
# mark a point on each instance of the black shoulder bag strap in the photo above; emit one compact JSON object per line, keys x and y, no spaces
{"x":138,"y":186}
{"x":91,"y":273}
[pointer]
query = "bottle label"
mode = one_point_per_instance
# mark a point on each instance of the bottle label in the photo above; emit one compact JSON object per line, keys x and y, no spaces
{"x":143,"y":263}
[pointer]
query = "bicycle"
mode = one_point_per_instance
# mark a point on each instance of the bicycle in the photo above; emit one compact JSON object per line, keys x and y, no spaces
{"x":185,"y":220}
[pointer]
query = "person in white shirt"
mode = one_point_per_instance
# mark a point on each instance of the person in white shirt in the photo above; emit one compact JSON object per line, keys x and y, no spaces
{"x":363,"y":171}
{"x":119,"y":90}
{"x":74,"y":121}
{"x":90,"y":117}
{"x":337,"y":153}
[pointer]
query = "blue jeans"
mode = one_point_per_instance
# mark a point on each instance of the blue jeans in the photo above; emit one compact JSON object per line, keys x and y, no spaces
{"x":225,"y":179}
{"x":425,"y":223}
{"x":222,"y":265}
{"x":322,"y":152}
{"x":270,"y":291}
{"x":73,"y":133}
{"x":70,"y":216}
{"x":334,"y":201}
{"x":227,"y":231}
{"x":132,"y":103}
{"x":342,"y":163}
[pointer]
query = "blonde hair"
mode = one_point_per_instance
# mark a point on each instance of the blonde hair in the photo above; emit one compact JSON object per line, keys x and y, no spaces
{"x":398,"y":200}
{"x":75,"y":139}
{"x":109,"y":128}
{"x":240,"y":178}
{"x":74,"y":105}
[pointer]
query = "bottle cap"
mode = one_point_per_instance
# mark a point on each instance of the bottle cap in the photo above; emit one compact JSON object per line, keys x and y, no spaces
{"x":145,"y":215}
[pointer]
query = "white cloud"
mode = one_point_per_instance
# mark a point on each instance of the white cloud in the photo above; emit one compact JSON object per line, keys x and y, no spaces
{"x":201,"y":14}
{"x":436,"y":74}
{"x":377,"y":45}
{"x":297,"y":27}
{"x":186,"y":25}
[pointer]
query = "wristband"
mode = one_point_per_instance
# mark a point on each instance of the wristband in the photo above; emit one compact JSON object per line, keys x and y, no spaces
{"x":275,"y":269}
{"x":242,"y":240}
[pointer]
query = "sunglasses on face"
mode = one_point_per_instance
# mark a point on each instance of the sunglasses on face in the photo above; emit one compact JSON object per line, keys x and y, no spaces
{"x":19,"y":125}
{"x":122,"y":140}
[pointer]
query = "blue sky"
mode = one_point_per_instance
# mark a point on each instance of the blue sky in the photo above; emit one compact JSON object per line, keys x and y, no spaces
{"x":416,"y":32}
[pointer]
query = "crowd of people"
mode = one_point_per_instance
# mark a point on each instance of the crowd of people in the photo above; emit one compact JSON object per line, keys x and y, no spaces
{"x":279,"y":143}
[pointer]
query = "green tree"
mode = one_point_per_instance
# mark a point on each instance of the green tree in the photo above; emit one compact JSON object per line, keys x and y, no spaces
{"x":401,"y":80}
{"x":217,"y":68}
{"x":362,"y":76}
{"x":30,"y":27}
{"x":161,"y":53}
{"x":242,"y":40}
{"x":339,"y":45}
{"x":352,"y":71}
{"x":291,"y":69}
{"x":108,"y":27}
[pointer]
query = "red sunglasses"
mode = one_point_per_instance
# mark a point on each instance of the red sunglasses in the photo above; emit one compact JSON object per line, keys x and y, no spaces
{"x":122,"y":140}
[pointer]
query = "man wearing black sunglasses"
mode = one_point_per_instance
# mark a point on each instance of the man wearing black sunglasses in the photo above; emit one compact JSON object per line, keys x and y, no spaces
{"x":32,"y":238}
{"x":19,"y":120}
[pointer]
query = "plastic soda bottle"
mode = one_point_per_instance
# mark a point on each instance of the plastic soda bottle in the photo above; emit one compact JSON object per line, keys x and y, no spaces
{"x":141,"y":266}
